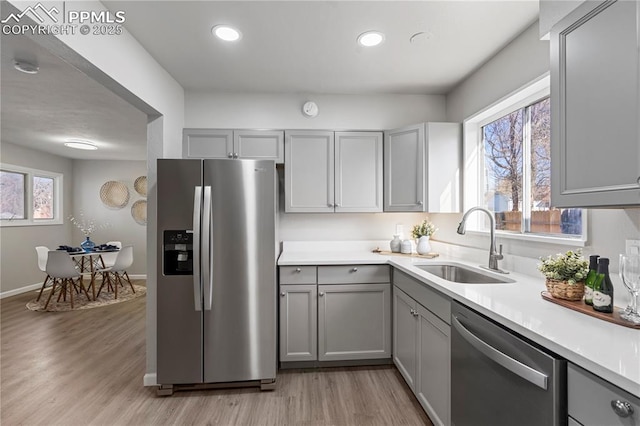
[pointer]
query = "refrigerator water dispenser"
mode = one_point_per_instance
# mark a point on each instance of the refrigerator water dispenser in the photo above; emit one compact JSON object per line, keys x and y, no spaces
{"x":178,"y":253}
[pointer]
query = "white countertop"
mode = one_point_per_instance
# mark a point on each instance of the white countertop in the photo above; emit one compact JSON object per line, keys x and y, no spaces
{"x":608,"y":350}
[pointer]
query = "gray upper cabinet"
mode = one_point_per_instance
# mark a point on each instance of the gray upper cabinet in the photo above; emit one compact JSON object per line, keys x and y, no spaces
{"x":422,"y":166}
{"x":221,"y":143}
{"x":595,"y":104}
{"x":309,"y":171}
{"x":333,"y":172}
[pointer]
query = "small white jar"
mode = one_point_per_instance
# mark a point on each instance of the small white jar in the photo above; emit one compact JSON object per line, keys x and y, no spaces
{"x":405,"y":247}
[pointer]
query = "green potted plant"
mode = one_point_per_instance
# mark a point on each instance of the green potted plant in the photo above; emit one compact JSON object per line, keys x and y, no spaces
{"x":422,"y":232}
{"x":565,"y":274}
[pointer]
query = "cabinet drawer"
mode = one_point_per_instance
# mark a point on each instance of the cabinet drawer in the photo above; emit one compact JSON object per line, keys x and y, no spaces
{"x":590,"y":399}
{"x":348,"y":274}
{"x":298,"y":275}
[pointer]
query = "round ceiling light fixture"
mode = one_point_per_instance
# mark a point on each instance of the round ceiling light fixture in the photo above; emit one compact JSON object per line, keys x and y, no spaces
{"x":25,"y":67}
{"x":80,"y":144}
{"x":226,"y":33}
{"x":370,"y":38}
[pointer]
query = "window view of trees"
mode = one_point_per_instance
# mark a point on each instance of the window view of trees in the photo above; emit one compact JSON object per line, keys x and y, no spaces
{"x":42,"y":197}
{"x":517,"y":162}
{"x":12,"y":195}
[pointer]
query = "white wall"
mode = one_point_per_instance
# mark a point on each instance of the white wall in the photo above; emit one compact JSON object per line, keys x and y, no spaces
{"x":522,"y":61}
{"x":89,"y":176}
{"x":18,"y":259}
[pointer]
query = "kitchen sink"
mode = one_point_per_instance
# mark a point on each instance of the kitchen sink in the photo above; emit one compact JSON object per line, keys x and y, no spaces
{"x":462,"y":274}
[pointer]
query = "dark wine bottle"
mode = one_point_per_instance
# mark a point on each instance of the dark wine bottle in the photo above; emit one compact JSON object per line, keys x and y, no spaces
{"x":591,"y":279}
{"x":603,"y":293}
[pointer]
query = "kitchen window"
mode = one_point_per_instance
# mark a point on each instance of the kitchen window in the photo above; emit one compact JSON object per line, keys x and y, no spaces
{"x":29,"y":196}
{"x":513,"y":170}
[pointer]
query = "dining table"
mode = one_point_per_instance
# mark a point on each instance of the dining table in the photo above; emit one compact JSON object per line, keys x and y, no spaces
{"x":88,"y":263}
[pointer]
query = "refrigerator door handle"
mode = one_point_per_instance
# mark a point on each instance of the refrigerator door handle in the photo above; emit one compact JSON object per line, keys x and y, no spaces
{"x":207,"y":275}
{"x":197,"y":204}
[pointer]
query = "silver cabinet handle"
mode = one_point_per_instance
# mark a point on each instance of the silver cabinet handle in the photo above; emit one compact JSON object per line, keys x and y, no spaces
{"x":298,"y":270}
{"x":419,"y":203}
{"x":516,"y":367}
{"x":321,"y":293}
{"x":330,"y":205}
{"x":283,"y":294}
{"x":622,"y":408}
{"x":415,"y":313}
{"x":354,"y":270}
{"x":235,"y":155}
{"x":337,"y":205}
{"x":230,"y":155}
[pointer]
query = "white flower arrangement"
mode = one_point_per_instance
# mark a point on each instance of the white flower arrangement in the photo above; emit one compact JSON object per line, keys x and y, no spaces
{"x":86,"y":226}
{"x":424,"y":228}
{"x":570,"y":267}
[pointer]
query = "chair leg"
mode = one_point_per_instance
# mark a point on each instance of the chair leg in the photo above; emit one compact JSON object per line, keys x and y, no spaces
{"x":126,"y":276}
{"x":44,"y":284}
{"x":53,"y":290}
{"x":71,"y":288}
{"x":105,"y":280}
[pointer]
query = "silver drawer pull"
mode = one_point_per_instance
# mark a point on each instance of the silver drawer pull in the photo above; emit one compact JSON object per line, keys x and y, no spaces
{"x":283,"y":294}
{"x":298,"y":270}
{"x":354,"y":269}
{"x":622,"y":408}
{"x":321,"y":293}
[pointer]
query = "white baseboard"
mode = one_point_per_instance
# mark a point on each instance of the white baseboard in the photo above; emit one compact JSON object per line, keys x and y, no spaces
{"x":37,"y":286}
{"x":150,"y":379}
{"x":20,"y":290}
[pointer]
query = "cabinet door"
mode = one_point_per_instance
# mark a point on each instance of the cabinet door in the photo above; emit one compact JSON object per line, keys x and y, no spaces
{"x":404,"y":175}
{"x":207,"y":143}
{"x":309,"y":171}
{"x":405,"y":332}
{"x":358,"y":167}
{"x":298,"y":323}
{"x":444,"y":156}
{"x":354,"y":321}
{"x":595,"y":97}
{"x":433,"y":386}
{"x":259,"y":144}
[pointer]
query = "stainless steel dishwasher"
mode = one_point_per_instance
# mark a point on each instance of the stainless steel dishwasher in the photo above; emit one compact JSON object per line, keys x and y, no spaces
{"x":499,"y":379}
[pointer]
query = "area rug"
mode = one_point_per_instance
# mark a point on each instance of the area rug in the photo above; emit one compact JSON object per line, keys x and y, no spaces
{"x":80,"y":301}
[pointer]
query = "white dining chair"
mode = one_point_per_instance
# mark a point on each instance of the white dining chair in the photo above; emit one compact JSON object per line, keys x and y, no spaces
{"x":112,"y":275}
{"x":63,"y":272}
{"x":42,"y":252}
{"x":109,"y":258}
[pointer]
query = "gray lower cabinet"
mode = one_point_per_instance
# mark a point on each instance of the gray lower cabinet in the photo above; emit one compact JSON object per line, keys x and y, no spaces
{"x":595,"y":105}
{"x":421,"y":344}
{"x":225,"y":143}
{"x":595,"y":402}
{"x":354,"y":322}
{"x":298,"y":323}
{"x":345,"y":315}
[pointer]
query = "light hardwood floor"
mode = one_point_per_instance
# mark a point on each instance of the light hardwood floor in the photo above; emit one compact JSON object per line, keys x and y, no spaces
{"x":86,"y":367}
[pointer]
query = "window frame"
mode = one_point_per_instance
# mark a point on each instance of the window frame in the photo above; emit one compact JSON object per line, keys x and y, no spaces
{"x":474,"y":164}
{"x":58,"y":196}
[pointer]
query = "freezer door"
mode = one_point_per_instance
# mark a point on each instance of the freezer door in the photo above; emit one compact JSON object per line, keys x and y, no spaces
{"x":179,"y":322}
{"x":240,"y":309}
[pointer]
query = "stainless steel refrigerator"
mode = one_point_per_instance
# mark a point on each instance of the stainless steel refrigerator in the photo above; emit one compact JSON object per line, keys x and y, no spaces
{"x":216,"y":306}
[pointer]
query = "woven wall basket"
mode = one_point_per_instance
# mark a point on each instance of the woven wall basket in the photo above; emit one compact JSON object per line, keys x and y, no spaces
{"x":114,"y":194}
{"x":139,"y":212}
{"x":564,"y":290}
{"x":140,"y":185}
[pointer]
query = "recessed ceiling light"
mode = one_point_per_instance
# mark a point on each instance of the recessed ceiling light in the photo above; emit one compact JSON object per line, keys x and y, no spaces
{"x":226,"y":33}
{"x":25,"y":67}
{"x":80,"y":144}
{"x":370,"y":38}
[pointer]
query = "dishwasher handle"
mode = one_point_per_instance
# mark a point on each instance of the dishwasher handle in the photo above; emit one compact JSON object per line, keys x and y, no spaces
{"x":516,"y":367}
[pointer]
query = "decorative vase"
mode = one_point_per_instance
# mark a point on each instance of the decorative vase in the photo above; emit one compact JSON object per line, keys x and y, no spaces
{"x":405,"y":247}
{"x":395,"y":244}
{"x":423,"y":246}
{"x":88,"y":245}
{"x":564,"y":290}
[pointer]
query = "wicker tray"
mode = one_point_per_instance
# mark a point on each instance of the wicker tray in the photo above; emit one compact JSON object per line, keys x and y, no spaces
{"x":582,"y":307}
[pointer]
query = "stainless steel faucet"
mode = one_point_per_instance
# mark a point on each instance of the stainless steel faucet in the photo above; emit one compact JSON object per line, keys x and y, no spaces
{"x":494,"y":256}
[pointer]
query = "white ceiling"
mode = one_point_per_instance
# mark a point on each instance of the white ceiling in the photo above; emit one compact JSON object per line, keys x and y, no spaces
{"x":310,"y":46}
{"x":287,"y":47}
